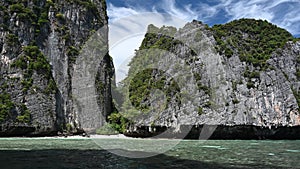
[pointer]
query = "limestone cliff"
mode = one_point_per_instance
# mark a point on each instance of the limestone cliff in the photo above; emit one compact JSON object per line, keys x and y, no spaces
{"x":244,"y":73}
{"x":40,"y":42}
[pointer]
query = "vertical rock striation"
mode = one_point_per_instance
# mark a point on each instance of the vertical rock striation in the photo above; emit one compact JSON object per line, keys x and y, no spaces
{"x":40,"y":42}
{"x":232,"y":83}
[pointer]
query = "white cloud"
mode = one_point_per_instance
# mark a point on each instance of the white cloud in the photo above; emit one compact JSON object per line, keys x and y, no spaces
{"x":115,"y":13}
{"x":185,"y":13}
{"x":264,"y":9}
{"x":242,"y":10}
{"x":127,"y":33}
{"x":168,"y":6}
{"x":128,"y":24}
{"x":122,"y":53}
{"x":235,"y":9}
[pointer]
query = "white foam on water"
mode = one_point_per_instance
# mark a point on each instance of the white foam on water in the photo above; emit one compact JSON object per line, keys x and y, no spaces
{"x":294,"y":151}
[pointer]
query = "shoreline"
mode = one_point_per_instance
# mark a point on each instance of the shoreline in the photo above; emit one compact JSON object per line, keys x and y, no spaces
{"x":122,"y":136}
{"x":94,"y":136}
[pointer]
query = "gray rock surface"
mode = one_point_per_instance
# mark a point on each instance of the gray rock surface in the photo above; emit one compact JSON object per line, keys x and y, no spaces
{"x":59,"y":29}
{"x":217,"y":84}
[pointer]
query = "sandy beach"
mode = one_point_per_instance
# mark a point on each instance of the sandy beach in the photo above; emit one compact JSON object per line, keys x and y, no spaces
{"x":94,"y":136}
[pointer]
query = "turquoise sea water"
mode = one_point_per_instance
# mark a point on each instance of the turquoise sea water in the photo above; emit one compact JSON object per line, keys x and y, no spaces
{"x":89,"y":153}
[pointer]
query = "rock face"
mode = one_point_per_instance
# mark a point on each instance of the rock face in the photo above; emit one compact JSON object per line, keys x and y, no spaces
{"x":40,"y":42}
{"x":199,"y":76}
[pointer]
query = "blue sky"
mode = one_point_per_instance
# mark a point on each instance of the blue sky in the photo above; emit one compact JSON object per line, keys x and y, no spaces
{"x":285,"y":13}
{"x":128,"y":19}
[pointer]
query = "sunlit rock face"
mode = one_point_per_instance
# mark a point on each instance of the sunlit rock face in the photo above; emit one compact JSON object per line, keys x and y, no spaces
{"x":40,"y":43}
{"x":223,"y":78}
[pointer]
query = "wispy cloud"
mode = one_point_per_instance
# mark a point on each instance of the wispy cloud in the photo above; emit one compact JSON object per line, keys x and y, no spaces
{"x":284,"y":13}
{"x":186,"y":13}
{"x":115,"y":13}
{"x":127,"y":29}
{"x":224,"y":10}
{"x":128,"y":23}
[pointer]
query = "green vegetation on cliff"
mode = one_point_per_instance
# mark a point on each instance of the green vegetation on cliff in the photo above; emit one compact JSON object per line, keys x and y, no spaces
{"x":147,"y":85}
{"x":25,"y":115}
{"x":8,"y":109}
{"x":6,"y":106}
{"x":146,"y":81}
{"x":117,"y":123}
{"x":253,"y":40}
{"x":35,"y":13}
{"x":33,"y":60}
{"x":32,"y":29}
